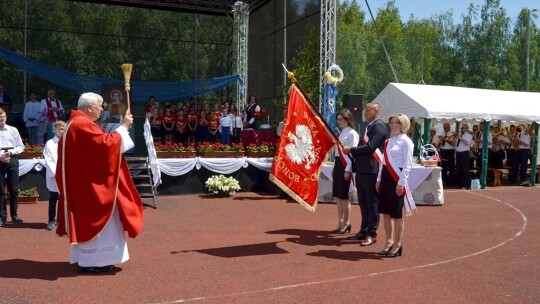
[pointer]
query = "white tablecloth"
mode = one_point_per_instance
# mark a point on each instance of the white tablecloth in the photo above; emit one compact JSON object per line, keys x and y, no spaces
{"x":424,"y":182}
{"x":26,"y":165}
{"x":181,"y":166}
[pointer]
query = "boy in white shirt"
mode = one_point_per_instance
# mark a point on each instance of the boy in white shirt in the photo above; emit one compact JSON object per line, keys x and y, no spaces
{"x":237,"y":125}
{"x":225,"y":130}
{"x":50,"y":153}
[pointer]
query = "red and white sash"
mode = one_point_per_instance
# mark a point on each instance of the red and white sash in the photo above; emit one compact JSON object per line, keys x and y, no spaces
{"x":377,"y":154}
{"x":345,"y":162}
{"x":393,"y":169}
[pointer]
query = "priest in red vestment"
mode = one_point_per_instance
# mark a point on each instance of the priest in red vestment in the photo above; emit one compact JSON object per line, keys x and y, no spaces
{"x":98,"y":200}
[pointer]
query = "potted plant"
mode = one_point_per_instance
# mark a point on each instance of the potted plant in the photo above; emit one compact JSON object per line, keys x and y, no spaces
{"x":174,"y":150}
{"x":265,"y":149}
{"x":29,"y":196}
{"x":220,"y":150}
{"x":221,"y":185}
{"x":31,"y":151}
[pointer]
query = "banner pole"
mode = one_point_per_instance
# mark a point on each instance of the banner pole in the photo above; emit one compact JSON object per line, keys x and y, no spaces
{"x":310,"y":103}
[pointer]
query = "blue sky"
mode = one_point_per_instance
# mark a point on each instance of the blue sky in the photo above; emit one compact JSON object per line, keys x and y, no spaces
{"x":428,"y":8}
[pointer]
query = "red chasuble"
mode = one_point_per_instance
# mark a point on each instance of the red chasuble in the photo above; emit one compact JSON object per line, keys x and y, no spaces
{"x":92,"y":176}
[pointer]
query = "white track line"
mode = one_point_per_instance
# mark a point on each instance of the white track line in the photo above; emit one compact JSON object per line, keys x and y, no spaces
{"x":524,"y":218}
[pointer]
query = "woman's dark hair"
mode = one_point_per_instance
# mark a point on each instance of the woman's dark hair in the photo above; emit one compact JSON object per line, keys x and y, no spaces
{"x":347,"y":115}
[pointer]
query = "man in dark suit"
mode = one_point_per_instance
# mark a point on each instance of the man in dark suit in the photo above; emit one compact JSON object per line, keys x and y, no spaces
{"x":4,"y":98}
{"x":367,"y":168}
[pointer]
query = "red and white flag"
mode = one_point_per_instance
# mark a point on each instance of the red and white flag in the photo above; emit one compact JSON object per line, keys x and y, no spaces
{"x":304,"y":145}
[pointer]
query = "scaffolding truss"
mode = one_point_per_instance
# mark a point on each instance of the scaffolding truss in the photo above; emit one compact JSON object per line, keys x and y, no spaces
{"x":328,"y":40}
{"x":241,"y":23}
{"x":212,"y":7}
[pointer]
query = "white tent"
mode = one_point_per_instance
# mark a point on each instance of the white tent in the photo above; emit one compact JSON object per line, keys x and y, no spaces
{"x":449,"y":103}
{"x":461,"y":104}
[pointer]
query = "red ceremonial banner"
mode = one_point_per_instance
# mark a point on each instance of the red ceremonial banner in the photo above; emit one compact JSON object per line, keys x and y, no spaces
{"x":304,"y":145}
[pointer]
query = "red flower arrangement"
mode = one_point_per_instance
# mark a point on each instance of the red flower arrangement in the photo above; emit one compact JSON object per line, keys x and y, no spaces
{"x":176,"y":147}
{"x":263,"y":147}
{"x":259,"y":116}
{"x":209,"y":147}
{"x":32,"y":148}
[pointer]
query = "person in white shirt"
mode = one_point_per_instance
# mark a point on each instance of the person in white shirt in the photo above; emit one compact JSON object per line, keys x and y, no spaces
{"x":31,"y":118}
{"x":237,"y":125}
{"x":463,"y":146}
{"x":50,"y":153}
{"x":10,"y":145}
{"x":392,"y":182}
{"x":497,"y":148}
{"x":342,"y":173}
{"x":447,"y":153}
{"x":523,"y":143}
{"x":225,"y":130}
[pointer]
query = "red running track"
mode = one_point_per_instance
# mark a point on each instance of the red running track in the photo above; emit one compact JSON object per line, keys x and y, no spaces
{"x":480,"y":247}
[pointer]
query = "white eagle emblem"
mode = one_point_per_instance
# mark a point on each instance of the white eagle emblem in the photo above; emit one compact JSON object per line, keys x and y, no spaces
{"x":301,"y":147}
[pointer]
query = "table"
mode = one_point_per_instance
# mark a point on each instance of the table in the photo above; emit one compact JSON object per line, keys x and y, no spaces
{"x":424,"y":182}
{"x":188,"y":175}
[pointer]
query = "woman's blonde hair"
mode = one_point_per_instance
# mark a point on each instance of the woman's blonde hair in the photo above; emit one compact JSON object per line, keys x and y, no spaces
{"x":403,"y":121}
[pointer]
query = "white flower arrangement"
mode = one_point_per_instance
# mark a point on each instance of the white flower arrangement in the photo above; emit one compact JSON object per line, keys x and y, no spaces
{"x":221,"y":184}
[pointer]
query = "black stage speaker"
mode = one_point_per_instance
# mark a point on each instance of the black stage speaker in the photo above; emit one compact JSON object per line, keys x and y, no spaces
{"x":353,"y":102}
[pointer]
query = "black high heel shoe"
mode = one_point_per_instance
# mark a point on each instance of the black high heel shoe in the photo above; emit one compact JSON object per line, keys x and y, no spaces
{"x":346,"y":230}
{"x":398,"y":252}
{"x":386,"y":250}
{"x":337,"y":230}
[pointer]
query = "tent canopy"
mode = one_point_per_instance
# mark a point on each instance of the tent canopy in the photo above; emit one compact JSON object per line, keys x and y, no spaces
{"x":456,"y":103}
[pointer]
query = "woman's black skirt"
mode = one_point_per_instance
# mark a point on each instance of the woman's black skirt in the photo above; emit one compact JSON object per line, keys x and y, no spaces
{"x":340,"y":187}
{"x":389,"y":202}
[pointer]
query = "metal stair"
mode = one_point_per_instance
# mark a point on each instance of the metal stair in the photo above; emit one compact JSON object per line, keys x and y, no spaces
{"x":142,"y":178}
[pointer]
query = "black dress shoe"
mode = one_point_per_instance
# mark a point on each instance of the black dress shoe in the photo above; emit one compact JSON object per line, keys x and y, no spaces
{"x":17,"y":220}
{"x":370,"y":240}
{"x":95,"y":269}
{"x":2,"y":223}
{"x":357,"y":237}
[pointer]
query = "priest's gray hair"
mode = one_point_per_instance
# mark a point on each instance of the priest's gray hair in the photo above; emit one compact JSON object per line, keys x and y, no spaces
{"x":87,"y":99}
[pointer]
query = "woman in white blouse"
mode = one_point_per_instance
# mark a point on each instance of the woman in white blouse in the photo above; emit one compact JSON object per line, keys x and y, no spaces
{"x":342,"y":173}
{"x":392,"y":181}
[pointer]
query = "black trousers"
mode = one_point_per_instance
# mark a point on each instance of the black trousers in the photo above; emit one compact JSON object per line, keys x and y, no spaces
{"x":237,"y":133}
{"x":462,"y":167}
{"x":368,"y":201}
{"x":521,"y":160}
{"x":11,"y":171}
{"x":448,"y":165}
{"x":53,"y":199}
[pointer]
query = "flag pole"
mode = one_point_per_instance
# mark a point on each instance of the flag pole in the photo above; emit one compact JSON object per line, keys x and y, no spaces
{"x":310,"y":103}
